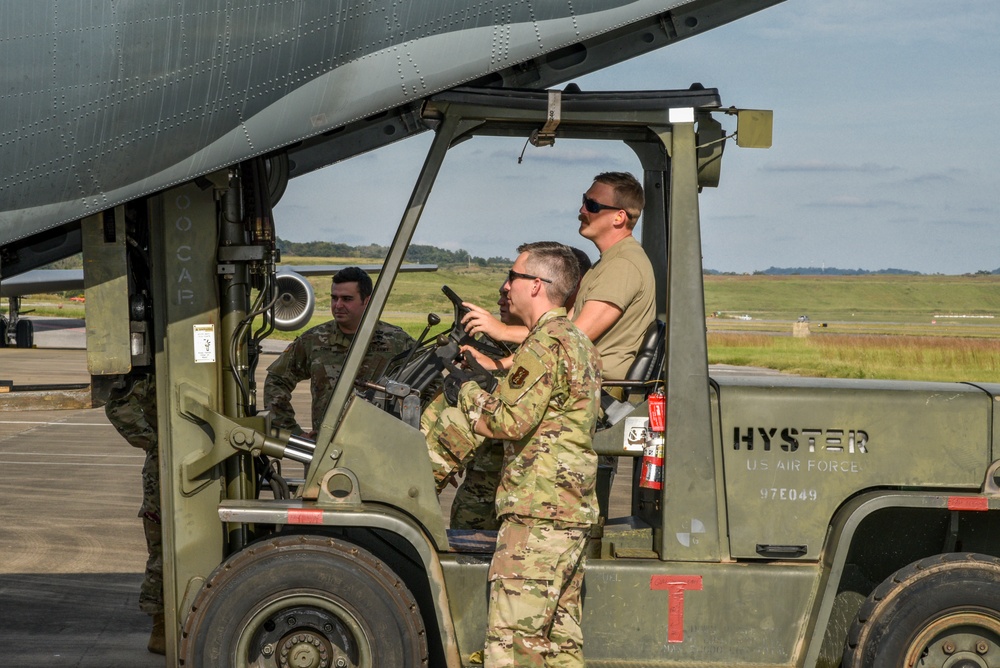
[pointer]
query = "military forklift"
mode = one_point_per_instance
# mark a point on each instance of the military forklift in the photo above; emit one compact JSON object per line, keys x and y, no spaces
{"x":797,"y":522}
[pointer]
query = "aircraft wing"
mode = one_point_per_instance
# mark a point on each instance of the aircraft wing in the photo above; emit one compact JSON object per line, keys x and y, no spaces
{"x":331,"y":269}
{"x":41,"y":281}
{"x":112,"y":101}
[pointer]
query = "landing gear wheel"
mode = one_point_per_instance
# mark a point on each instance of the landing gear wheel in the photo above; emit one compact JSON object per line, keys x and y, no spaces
{"x":304,"y":602}
{"x":940,"y":612}
{"x":25,"y":334}
{"x":3,"y":332}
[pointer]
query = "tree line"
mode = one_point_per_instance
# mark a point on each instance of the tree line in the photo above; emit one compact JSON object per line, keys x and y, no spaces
{"x":415,"y":253}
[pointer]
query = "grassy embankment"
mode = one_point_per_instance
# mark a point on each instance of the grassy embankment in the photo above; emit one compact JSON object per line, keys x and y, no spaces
{"x":875,"y":326}
{"x":903,"y":327}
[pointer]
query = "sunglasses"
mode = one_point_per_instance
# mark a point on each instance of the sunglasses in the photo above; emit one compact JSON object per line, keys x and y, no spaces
{"x":511,"y":275}
{"x":593,"y":206}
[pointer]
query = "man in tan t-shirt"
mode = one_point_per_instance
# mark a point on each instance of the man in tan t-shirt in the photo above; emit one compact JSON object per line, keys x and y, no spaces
{"x":615,"y":302}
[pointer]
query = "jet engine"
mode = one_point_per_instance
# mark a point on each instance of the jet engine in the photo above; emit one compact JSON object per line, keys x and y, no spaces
{"x":295,"y":303}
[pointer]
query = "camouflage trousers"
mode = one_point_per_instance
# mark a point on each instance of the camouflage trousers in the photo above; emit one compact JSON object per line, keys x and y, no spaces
{"x":151,"y":591}
{"x":536,"y":583}
{"x":474,"y":506}
{"x":452,"y":444}
{"x":134,"y":416}
{"x":451,"y":441}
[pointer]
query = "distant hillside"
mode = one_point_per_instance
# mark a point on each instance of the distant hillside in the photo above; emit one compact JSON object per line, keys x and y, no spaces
{"x":415,"y":253}
{"x":447,"y":258}
{"x":833,"y":271}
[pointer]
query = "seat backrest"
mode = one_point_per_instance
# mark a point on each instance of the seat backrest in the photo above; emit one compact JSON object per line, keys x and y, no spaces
{"x":649,"y":358}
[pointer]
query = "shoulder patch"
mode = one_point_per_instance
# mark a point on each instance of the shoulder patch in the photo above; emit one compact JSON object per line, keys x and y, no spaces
{"x":517,"y":377}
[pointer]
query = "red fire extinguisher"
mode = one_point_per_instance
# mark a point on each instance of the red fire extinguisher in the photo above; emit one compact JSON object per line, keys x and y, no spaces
{"x":651,"y":475}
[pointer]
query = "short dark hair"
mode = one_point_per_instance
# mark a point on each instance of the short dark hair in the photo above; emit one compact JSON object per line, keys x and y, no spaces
{"x":355,"y":275}
{"x":556,"y":262}
{"x":628,"y":193}
{"x":582,"y":259}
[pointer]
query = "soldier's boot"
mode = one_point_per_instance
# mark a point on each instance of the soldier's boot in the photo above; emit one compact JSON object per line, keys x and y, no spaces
{"x":158,"y":636}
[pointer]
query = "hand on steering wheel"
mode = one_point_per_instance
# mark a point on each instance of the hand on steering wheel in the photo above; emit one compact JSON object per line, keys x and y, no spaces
{"x":482,"y":341}
{"x":480,"y":321}
{"x":482,"y":359}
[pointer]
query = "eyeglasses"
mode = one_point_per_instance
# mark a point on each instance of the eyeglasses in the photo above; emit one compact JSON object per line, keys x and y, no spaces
{"x":593,"y":206}
{"x":511,"y":275}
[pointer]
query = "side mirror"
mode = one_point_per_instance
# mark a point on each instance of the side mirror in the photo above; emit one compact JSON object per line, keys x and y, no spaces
{"x":753,"y":128}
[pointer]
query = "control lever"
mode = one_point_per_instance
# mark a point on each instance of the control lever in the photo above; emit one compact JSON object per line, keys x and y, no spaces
{"x":433,"y":320}
{"x":391,"y":387}
{"x":410,"y":404}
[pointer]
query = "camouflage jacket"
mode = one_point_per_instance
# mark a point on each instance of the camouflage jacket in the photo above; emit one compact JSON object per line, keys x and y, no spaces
{"x":545,"y":409}
{"x":319,"y":354}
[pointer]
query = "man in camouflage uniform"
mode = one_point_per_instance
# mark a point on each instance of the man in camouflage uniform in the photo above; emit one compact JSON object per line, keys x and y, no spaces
{"x":319,"y":353}
{"x":132,"y":411}
{"x":545,"y":410}
{"x":474,"y":505}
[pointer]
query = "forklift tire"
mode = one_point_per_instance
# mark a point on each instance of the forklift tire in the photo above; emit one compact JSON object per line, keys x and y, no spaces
{"x":304,"y":600}
{"x":25,"y":334}
{"x":943,"y":610}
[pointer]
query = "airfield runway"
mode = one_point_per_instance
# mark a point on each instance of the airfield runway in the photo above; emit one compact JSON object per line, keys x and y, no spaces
{"x":72,"y":550}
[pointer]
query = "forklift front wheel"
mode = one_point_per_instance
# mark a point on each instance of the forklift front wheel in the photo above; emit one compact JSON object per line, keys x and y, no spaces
{"x":943,"y":611}
{"x":304,"y":601}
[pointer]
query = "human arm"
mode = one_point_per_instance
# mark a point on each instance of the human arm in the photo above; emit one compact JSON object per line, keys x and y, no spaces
{"x":517,"y":406}
{"x":480,"y":321}
{"x":596,"y":317}
{"x":282,"y":377}
{"x":487,"y":362}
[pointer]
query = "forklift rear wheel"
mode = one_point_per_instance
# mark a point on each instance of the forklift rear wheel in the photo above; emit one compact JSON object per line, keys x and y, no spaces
{"x":939,"y":612}
{"x":308,"y":602}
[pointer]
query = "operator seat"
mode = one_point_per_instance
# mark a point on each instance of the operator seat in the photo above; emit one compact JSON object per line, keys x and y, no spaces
{"x":648,"y":360}
{"x":646,"y":367}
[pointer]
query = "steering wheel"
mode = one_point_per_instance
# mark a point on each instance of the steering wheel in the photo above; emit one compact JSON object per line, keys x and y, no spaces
{"x":421,"y":370}
{"x":481,"y":342}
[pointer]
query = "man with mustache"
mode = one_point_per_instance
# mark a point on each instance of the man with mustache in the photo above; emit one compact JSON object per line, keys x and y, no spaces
{"x":615,"y":302}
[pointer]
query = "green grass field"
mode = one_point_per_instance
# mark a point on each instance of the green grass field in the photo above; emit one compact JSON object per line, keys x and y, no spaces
{"x":902,"y":327}
{"x":853,"y":299}
{"x":907,"y":327}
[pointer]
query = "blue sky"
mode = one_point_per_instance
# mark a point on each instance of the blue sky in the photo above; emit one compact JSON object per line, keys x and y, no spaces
{"x":886,"y":151}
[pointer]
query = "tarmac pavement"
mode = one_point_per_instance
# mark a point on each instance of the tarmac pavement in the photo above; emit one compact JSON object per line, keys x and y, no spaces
{"x":72,"y":551}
